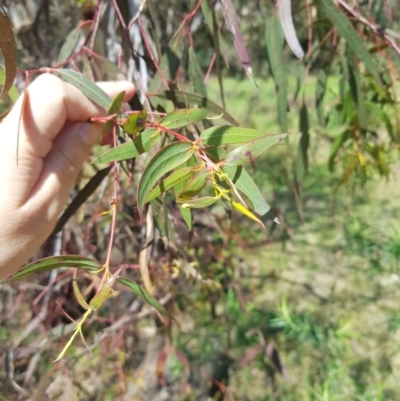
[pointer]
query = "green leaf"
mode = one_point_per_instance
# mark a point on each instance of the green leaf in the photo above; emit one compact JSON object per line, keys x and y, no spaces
{"x":54,"y":262}
{"x":195,"y":74}
{"x":339,"y":141}
{"x":251,"y":150}
{"x":275,"y":40}
{"x":195,"y":99}
{"x":240,"y":208}
{"x":195,"y":186}
{"x":89,"y":89}
{"x":136,"y":123}
{"x":356,"y":90}
{"x":175,"y":178}
{"x":165,"y":160}
{"x":131,"y":149}
{"x":346,"y":29}
{"x":143,"y":294}
{"x":205,"y":201}
{"x":69,"y":45}
{"x":320,"y":88}
{"x":115,"y":108}
{"x":223,"y":135}
{"x":245,"y":184}
{"x":302,"y":157}
{"x":182,"y":117}
{"x":12,"y":92}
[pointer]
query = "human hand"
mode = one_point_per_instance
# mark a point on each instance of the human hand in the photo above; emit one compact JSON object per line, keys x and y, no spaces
{"x":54,"y":141}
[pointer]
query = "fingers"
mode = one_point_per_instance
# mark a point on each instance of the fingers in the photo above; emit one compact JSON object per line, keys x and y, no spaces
{"x":50,"y":102}
{"x":49,"y":105}
{"x":62,"y":166}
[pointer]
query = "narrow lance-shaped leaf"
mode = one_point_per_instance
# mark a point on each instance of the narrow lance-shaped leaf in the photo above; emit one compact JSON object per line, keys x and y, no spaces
{"x":245,"y":184}
{"x":302,"y":157}
{"x":186,"y":213}
{"x":131,"y":149}
{"x":167,"y":158}
{"x":9,"y":51}
{"x":195,"y":74}
{"x":249,"y":151}
{"x":346,"y":29}
{"x":69,"y":45}
{"x":240,"y":208}
{"x":143,"y":294}
{"x":174,"y":179}
{"x":54,"y":262}
{"x":182,"y":117}
{"x":195,"y":99}
{"x":89,"y":89}
{"x":232,"y":24}
{"x":224,"y":135}
{"x":356,"y":90}
{"x":197,"y":203}
{"x":274,"y":40}
{"x":195,"y":186}
{"x":77,"y":292}
{"x":320,"y":88}
{"x":13,"y":91}
{"x":115,"y":108}
{"x":286,"y":19}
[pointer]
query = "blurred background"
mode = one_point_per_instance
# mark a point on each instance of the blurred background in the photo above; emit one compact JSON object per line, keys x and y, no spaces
{"x":305,"y":310}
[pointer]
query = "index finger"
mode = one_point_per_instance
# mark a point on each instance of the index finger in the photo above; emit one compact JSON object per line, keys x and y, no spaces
{"x":49,"y":104}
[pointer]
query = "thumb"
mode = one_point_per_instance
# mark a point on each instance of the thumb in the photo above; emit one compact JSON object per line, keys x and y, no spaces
{"x":63,"y":163}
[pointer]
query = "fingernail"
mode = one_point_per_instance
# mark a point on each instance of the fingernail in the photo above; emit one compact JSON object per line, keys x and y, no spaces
{"x":90,"y":133}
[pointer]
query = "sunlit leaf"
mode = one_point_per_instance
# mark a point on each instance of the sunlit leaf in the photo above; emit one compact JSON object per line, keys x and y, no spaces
{"x":195,"y":185}
{"x":286,"y":19}
{"x":245,"y":184}
{"x":115,"y":108}
{"x":9,"y":51}
{"x":54,"y":262}
{"x":240,"y":208}
{"x":77,"y":292}
{"x":131,"y":149}
{"x":165,"y":160}
{"x":251,"y":150}
{"x":223,"y":135}
{"x":13,"y":91}
{"x":171,"y":181}
{"x":135,"y":123}
{"x":89,"y":89}
{"x":143,"y":294}
{"x":182,"y":117}
{"x":69,"y":45}
{"x":195,"y":99}
{"x":205,"y":201}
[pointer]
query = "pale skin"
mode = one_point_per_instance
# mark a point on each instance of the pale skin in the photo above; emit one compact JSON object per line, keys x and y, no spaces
{"x":55,"y":139}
